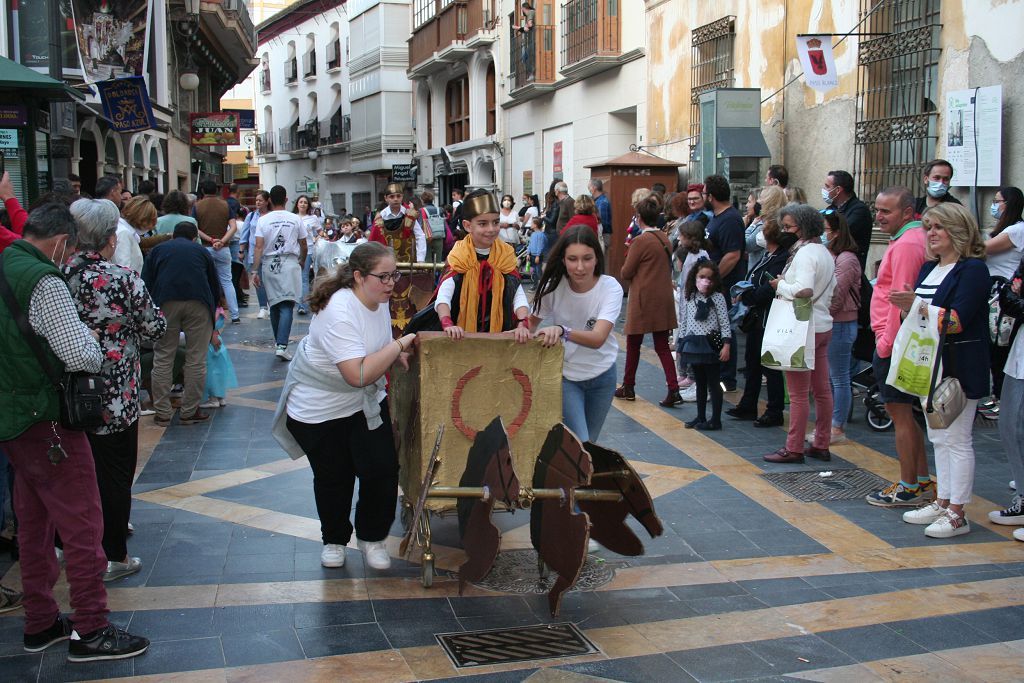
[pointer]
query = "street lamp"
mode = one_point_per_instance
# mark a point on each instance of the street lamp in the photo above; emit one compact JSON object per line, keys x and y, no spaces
{"x":188,"y":28}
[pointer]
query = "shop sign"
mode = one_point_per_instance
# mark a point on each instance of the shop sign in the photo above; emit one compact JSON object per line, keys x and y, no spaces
{"x":13,"y":115}
{"x":528,"y":182}
{"x":402,"y":173}
{"x":126,"y":104}
{"x":8,"y":138}
{"x":556,"y":166}
{"x":214,"y":128}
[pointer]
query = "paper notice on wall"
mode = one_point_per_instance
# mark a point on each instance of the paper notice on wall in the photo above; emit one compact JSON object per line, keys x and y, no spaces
{"x":974,"y":136}
{"x":817,"y":62}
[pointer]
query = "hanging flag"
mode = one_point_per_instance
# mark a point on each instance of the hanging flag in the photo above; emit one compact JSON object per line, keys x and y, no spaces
{"x":817,"y":62}
{"x":126,"y":104}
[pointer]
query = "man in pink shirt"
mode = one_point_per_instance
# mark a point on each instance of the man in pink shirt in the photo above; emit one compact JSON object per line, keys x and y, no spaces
{"x":894,"y":215}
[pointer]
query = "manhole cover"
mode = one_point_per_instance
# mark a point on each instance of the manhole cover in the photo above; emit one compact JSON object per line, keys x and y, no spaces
{"x":506,"y":645}
{"x":515,"y":571}
{"x":839,"y":485}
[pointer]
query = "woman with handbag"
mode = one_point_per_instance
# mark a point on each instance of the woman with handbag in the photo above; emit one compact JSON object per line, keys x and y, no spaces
{"x":844,"y":308}
{"x":953,"y":284}
{"x":809,"y":275}
{"x":758,"y":300}
{"x":113,"y":301}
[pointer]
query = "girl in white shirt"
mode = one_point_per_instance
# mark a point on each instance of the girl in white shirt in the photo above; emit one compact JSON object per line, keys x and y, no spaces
{"x":312,"y":223}
{"x":581,"y":304}
{"x":509,"y":222}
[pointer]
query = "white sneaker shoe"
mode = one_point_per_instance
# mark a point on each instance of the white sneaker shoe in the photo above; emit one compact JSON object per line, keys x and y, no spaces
{"x":1019,"y":534}
{"x":282,"y":353}
{"x":375,"y":554}
{"x":948,"y":525}
{"x":333,"y":555}
{"x":263,"y":314}
{"x":214,"y":402}
{"x":689,"y":394}
{"x":924,"y":515}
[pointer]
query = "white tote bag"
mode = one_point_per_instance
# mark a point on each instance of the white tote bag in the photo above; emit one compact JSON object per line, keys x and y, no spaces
{"x":789,"y":335}
{"x":915,"y":352}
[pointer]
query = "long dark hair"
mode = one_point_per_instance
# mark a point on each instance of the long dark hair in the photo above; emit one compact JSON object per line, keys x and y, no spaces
{"x":842,"y":239}
{"x":690,"y":288}
{"x":1013,"y":205}
{"x":309,"y":203}
{"x":363,"y":258}
{"x":554,"y":269}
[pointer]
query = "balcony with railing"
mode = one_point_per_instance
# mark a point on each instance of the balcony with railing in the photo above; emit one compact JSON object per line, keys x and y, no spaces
{"x":265,"y":80}
{"x":531,"y":59}
{"x":591,"y":36}
{"x":334,"y":54}
{"x":291,"y":71}
{"x":336,"y":130}
{"x":447,"y":31}
{"x":288,"y":139}
{"x":308,"y":136}
{"x":264,"y":144}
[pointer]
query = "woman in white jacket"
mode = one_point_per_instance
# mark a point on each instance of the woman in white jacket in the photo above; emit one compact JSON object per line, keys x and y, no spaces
{"x":811,"y":275}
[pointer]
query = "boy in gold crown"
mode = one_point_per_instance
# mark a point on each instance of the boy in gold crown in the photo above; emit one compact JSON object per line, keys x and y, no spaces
{"x":479,"y":290}
{"x":398,"y":228}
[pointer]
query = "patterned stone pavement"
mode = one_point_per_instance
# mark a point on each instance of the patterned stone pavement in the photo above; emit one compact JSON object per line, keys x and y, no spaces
{"x":747,"y":583}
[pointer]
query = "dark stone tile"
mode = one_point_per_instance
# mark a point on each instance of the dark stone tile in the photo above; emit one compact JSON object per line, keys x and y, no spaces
{"x":249,"y":618}
{"x":497,"y":621}
{"x":257,"y":578}
{"x":317,"y":614}
{"x":856,"y":590}
{"x":497,"y":677}
{"x":722,"y":663}
{"x":486,"y":606}
{"x":639,"y":669}
{"x":257,"y":646}
{"x":940,"y":633}
{"x":758,"y":586}
{"x":402,"y":610}
{"x":1003,"y":624}
{"x":828,"y":580}
{"x":181,"y":655}
{"x":167,"y":624}
{"x":183,"y":580}
{"x":259,"y":564}
{"x":869,"y":643}
{"x":325,"y":641}
{"x":56,"y":667}
{"x":719,"y":605}
{"x":792,"y":597}
{"x":22,"y":667}
{"x":707,"y":590}
{"x":784,"y":654}
{"x":171,"y":562}
{"x":661,"y":611}
{"x":418,"y":632}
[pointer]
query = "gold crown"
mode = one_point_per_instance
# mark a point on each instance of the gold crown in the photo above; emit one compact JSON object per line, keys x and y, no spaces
{"x":814,"y":43}
{"x":394,"y":188}
{"x":479,"y":205}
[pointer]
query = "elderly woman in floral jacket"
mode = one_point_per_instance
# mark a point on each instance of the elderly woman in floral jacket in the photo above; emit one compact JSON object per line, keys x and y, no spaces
{"x":114,"y":303}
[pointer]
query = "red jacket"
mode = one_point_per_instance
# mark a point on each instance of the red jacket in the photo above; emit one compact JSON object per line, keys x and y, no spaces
{"x":583,"y":219}
{"x":18,"y":217}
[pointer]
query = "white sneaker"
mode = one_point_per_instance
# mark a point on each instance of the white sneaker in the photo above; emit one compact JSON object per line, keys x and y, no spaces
{"x":282,"y":353}
{"x":948,"y":525}
{"x":214,"y":402}
{"x":689,"y":394}
{"x":333,"y":555}
{"x":263,"y":314}
{"x":593,"y":546}
{"x":924,"y":515}
{"x":144,"y":412}
{"x":1019,"y":534}
{"x":1013,"y":484}
{"x":375,"y":554}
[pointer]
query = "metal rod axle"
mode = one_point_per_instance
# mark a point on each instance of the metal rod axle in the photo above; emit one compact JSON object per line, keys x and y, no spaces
{"x":526,"y":494}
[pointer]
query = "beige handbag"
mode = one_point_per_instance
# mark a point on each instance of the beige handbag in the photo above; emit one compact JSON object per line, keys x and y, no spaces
{"x":947,"y":400}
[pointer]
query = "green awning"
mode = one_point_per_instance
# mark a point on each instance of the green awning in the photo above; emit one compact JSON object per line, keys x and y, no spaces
{"x":14,"y":76}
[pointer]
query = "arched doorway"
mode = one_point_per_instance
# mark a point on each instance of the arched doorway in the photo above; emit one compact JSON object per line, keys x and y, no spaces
{"x":88,"y":160}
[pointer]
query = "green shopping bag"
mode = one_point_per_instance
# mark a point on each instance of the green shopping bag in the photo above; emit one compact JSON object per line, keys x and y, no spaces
{"x":915,"y":353}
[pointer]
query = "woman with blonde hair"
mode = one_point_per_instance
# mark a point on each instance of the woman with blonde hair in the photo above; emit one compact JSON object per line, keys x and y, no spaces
{"x":140,"y":214}
{"x":953,"y":285}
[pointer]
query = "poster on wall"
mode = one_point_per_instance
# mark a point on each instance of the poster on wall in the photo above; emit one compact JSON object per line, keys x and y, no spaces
{"x":974,"y":136}
{"x":112,"y":37}
{"x":528,"y":182}
{"x":817,"y":62}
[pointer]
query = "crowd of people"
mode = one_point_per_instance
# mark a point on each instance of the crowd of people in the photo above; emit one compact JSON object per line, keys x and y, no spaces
{"x":136,"y":290}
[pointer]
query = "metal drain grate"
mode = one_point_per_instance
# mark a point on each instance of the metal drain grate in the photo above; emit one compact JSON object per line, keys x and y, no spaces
{"x":840,"y":485}
{"x":515,"y":571}
{"x":522,"y":644}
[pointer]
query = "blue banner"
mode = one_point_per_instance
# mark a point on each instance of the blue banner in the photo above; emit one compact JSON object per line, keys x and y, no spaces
{"x":246,"y":119}
{"x":126,"y":104}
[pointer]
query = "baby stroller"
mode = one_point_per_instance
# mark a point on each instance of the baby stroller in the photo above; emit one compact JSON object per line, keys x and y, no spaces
{"x":875,"y":414}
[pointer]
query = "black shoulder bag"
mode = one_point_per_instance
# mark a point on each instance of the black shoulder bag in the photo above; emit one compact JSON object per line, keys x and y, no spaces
{"x":79,"y":394}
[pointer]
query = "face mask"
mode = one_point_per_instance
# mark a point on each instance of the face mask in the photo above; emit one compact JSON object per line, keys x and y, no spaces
{"x":760,"y":240}
{"x":704,"y":285}
{"x":787,"y":240}
{"x":63,"y":247}
{"x":507,"y":205}
{"x":937,"y":189}
{"x":826,"y":196}
{"x":824,"y":239}
{"x":994,"y":210}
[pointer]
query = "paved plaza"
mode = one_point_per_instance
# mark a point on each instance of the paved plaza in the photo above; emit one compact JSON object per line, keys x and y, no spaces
{"x":746,"y":583}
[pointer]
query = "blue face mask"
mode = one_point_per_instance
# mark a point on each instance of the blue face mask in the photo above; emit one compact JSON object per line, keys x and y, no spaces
{"x":995,"y":211}
{"x":937,"y":189}
{"x":824,"y":238}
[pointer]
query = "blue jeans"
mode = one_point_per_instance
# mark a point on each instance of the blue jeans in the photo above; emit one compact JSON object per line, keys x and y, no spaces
{"x":222,"y":262}
{"x":281,"y":321}
{"x":585,"y":404}
{"x":840,"y":349}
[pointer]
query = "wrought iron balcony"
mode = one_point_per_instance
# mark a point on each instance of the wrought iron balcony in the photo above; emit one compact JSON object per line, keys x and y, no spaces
{"x":591,"y":32}
{"x":532,"y":56}
{"x":336,"y":130}
{"x":264,"y":144}
{"x":288,"y":139}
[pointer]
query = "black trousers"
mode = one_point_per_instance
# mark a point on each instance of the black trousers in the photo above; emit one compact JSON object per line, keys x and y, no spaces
{"x":752,"y":387}
{"x":116,"y":456}
{"x":339,"y":451}
{"x":706,"y":375}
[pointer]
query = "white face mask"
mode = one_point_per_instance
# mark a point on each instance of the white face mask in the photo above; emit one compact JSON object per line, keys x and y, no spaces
{"x":63,"y":249}
{"x":760,"y":240}
{"x":937,"y":189}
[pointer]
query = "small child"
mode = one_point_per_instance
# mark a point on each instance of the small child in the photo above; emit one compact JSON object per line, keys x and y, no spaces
{"x":705,"y":339}
{"x":692,"y":249}
{"x":536,"y":249}
{"x":220,"y":372}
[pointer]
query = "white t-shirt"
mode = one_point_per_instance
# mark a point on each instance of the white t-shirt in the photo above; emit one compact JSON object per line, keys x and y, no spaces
{"x":281,"y":232}
{"x":1005,"y":264}
{"x":312,"y":223}
{"x":344,"y":330}
{"x":581,"y":312}
{"x":531,"y":213}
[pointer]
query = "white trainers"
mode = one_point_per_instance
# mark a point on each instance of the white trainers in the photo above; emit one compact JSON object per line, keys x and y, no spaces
{"x":689,"y":394}
{"x":214,"y":402}
{"x":333,"y":555}
{"x":948,"y":525}
{"x":263,"y":314}
{"x":924,"y":515}
{"x":282,"y":353}
{"x":375,"y":554}
{"x":1019,"y":534}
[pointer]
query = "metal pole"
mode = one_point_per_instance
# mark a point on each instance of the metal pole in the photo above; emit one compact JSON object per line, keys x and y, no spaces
{"x":484,"y":492}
